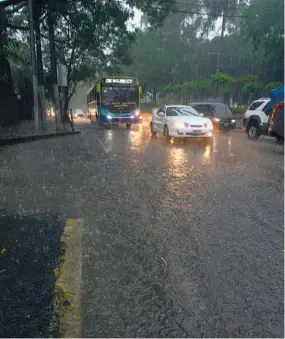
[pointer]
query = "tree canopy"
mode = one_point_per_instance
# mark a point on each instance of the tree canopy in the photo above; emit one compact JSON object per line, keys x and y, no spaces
{"x":188,"y":47}
{"x":232,"y":46}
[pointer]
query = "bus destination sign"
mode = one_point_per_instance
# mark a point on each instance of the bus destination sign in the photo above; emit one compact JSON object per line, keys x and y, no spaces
{"x":119,"y":81}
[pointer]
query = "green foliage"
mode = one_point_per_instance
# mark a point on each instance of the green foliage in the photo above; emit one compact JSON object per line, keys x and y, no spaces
{"x":264,"y":27}
{"x":272,"y":85}
{"x":220,"y":79}
{"x":252,"y":88}
{"x":247,"y":86}
{"x":238,"y":110}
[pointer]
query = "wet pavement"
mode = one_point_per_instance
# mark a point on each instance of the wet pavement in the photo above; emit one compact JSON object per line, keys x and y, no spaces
{"x":180,"y":240}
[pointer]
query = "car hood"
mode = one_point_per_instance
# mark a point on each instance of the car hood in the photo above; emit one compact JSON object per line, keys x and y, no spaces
{"x":190,"y":120}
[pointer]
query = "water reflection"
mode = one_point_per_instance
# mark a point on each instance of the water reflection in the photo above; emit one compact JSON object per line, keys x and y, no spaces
{"x":206,"y":157}
{"x":177,"y":162}
{"x":215,"y":145}
{"x":109,"y":135}
{"x":230,"y":147}
{"x":139,"y":138}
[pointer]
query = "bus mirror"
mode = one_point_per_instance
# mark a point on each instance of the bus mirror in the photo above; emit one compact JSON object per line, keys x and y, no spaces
{"x":140,"y":90}
{"x":98,"y":88}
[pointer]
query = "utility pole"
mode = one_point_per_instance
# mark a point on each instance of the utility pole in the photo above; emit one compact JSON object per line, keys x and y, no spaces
{"x":34,"y":66}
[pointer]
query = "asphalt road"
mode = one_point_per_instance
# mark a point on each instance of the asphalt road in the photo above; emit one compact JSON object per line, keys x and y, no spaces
{"x":180,"y":240}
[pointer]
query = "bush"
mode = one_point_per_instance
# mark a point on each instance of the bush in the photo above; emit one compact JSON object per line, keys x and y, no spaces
{"x":239,"y":110}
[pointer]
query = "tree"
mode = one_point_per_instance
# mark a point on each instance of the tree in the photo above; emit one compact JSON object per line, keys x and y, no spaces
{"x":90,"y":36}
{"x":263,"y":26}
{"x":227,"y":9}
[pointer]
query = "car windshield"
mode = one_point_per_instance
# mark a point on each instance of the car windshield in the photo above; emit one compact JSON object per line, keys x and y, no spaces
{"x":181,"y":111}
{"x":223,"y":111}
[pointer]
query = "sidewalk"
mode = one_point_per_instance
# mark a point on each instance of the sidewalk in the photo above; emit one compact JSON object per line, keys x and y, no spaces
{"x":25,"y":131}
{"x":26,"y":128}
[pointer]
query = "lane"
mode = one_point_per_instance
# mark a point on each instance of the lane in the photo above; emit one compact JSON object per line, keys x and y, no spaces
{"x":215,"y":213}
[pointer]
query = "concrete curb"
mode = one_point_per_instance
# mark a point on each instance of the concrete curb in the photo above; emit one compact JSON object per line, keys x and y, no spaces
{"x":17,"y":140}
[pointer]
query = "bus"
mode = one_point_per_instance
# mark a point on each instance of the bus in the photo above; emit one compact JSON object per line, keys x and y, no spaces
{"x":115,"y":100}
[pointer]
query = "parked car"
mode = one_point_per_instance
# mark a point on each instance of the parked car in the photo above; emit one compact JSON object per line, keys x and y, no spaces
{"x":180,"y":121}
{"x":220,"y":114}
{"x":255,"y":119}
{"x":276,"y":122}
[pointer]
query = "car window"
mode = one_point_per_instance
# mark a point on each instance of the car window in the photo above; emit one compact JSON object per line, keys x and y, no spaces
{"x":206,"y":109}
{"x":255,"y":105}
{"x":171,"y":112}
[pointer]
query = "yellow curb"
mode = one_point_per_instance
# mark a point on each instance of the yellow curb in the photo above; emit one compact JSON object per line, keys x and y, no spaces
{"x":69,"y":280}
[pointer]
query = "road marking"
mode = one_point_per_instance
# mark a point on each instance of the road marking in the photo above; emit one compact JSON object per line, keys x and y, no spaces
{"x":103,"y":146}
{"x":69,"y":279}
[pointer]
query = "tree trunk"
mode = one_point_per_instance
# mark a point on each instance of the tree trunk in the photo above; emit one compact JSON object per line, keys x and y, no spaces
{"x":154,"y":94}
{"x":37,"y":14}
{"x":223,"y":24}
{"x":50,"y":20}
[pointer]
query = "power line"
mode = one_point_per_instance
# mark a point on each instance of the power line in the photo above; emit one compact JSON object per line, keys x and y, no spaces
{"x":195,"y":11}
{"x":200,"y":13}
{"x":209,"y":6}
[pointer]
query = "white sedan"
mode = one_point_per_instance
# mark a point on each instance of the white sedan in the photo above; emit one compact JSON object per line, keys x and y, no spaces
{"x":180,"y":122}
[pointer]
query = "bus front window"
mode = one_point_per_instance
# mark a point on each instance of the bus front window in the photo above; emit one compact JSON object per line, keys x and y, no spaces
{"x":119,"y":95}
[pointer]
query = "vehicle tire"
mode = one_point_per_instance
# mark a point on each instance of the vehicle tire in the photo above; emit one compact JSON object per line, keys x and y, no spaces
{"x":153,"y":133}
{"x":166,"y":133}
{"x":253,"y":131}
{"x":128,"y":125}
{"x":279,"y":138}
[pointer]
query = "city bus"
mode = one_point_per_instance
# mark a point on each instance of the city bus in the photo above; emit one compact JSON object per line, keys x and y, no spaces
{"x":115,"y":100}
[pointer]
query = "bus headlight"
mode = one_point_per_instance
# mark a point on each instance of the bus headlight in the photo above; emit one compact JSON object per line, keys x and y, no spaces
{"x":137,"y":113}
{"x":109,"y":117}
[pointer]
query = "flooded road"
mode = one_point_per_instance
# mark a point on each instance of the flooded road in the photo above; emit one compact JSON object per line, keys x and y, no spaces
{"x":180,"y":240}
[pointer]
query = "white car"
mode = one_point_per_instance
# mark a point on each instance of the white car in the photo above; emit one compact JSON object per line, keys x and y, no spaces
{"x":255,"y":120}
{"x":180,"y":121}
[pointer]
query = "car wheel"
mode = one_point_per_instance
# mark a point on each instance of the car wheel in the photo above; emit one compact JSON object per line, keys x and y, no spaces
{"x":253,"y":131}
{"x":128,"y":126}
{"x":153,"y":133}
{"x":166,"y":133}
{"x":279,"y":138}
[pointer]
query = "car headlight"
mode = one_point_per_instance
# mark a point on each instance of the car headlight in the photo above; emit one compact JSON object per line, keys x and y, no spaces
{"x":109,"y":117}
{"x":178,"y":125}
{"x":132,"y":116}
{"x":233,"y":120}
{"x":208,"y":125}
{"x":217,"y":119}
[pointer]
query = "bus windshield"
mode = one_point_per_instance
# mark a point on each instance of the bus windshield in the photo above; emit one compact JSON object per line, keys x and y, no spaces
{"x":120,"y":97}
